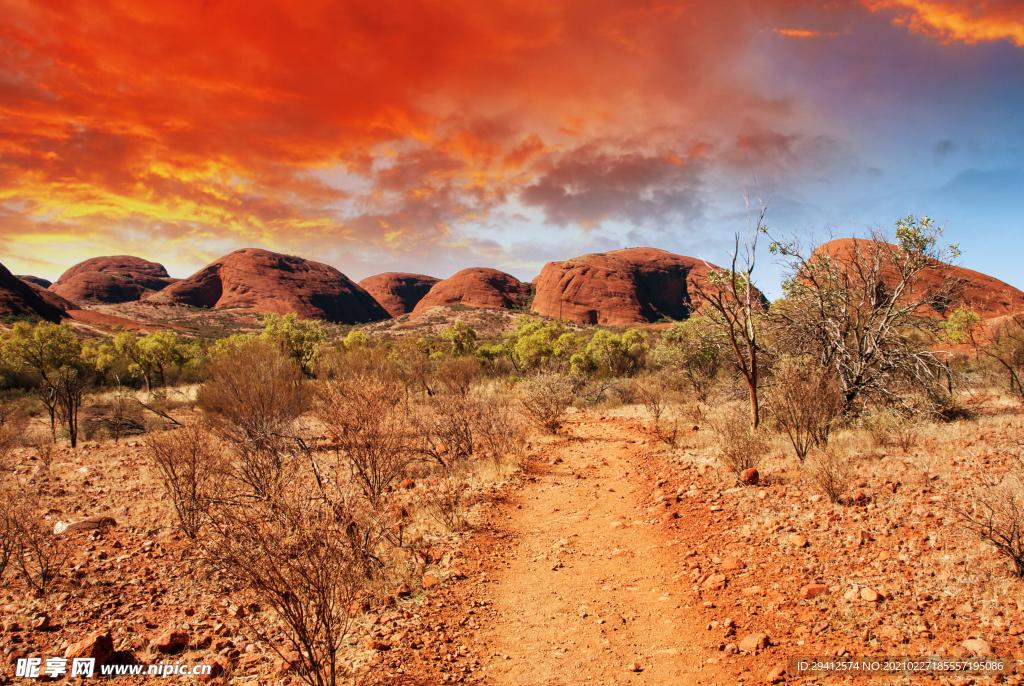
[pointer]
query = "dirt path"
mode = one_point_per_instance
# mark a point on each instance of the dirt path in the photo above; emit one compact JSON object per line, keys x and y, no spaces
{"x":584,"y":590}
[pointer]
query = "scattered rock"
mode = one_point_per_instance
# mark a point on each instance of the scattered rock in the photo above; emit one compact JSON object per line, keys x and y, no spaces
{"x":798,"y":541}
{"x":429,"y":581}
{"x":99,"y":646}
{"x":715,"y":582}
{"x":87,"y":524}
{"x":813,"y":591}
{"x":870,"y":596}
{"x":750,"y":477}
{"x":776,"y":675}
{"x":407,"y":484}
{"x":41,"y":623}
{"x":171,"y":642}
{"x":977,"y":646}
{"x":732,"y":562}
{"x":634,"y":667}
{"x":754,"y":643}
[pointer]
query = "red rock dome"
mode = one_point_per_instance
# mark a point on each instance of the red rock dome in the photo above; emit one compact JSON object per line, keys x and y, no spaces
{"x":477,"y":287}
{"x":398,"y":293}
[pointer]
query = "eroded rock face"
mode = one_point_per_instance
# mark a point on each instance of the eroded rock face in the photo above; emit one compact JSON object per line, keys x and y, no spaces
{"x":397,"y":292}
{"x":987,"y":296}
{"x":112,"y":279}
{"x":630,"y":286}
{"x":39,"y":281}
{"x":266,"y":282}
{"x":477,"y":287}
{"x":21,"y":299}
{"x":51,"y":298}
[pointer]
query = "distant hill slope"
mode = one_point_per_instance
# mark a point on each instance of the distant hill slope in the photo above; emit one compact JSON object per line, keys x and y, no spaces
{"x":265,"y":282}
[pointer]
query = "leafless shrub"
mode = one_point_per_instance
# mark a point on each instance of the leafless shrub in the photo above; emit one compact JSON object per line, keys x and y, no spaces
{"x":805,"y":403}
{"x":498,"y":426}
{"x":190,"y":464}
{"x":831,"y":470}
{"x":888,"y":428}
{"x":457,"y":375}
{"x":300,"y":555}
{"x":8,"y":531}
{"x":445,"y":426}
{"x":42,"y":443}
{"x":8,"y":442}
{"x":739,"y":446}
{"x":369,"y":420}
{"x":661,"y":403}
{"x":991,"y":508}
{"x":38,"y":553}
{"x":626,"y":390}
{"x":446,"y":503}
{"x":254,"y":395}
{"x":545,"y":398}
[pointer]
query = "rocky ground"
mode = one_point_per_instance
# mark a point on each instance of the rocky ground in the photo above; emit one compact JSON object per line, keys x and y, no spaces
{"x":607,"y":558}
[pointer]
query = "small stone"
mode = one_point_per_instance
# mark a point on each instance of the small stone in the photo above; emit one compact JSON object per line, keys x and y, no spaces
{"x":616,"y":525}
{"x":732,"y":562}
{"x":715,"y":582}
{"x":813,"y":591}
{"x":750,"y":477}
{"x":171,"y":642}
{"x":403,"y":591}
{"x":869,"y":595}
{"x":776,"y":675}
{"x":752,"y":590}
{"x":379,"y":646}
{"x":634,"y":667}
{"x":754,"y":643}
{"x":429,"y":581}
{"x":798,"y":541}
{"x":978,"y":647}
{"x":407,"y":484}
{"x":99,"y":646}
{"x":41,"y":623}
{"x":216,"y":669}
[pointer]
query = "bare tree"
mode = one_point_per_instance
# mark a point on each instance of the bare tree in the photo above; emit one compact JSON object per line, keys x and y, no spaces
{"x":804,"y":402}
{"x":866,"y":309}
{"x":734,"y":304}
{"x":1006,"y":347}
{"x":368,"y":417}
{"x":190,"y":464}
{"x":299,"y":554}
{"x":252,"y":400}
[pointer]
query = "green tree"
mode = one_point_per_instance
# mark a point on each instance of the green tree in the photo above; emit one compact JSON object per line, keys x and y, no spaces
{"x":54,"y":352}
{"x":153,"y":354}
{"x":620,"y":354}
{"x":298,"y":339}
{"x":692,"y":348}
{"x":462,"y":338}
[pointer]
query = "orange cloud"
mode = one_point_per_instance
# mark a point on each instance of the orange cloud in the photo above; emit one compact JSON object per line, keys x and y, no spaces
{"x":185,"y":129}
{"x":803,"y":33}
{"x":967,"y":21}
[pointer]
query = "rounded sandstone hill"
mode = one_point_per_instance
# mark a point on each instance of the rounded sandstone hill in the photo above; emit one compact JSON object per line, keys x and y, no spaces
{"x":477,"y":287}
{"x":986,"y":295}
{"x":39,"y":281}
{"x":266,"y":282}
{"x":21,"y":300}
{"x":112,"y":279}
{"x":397,"y":292}
{"x":52,"y":298}
{"x":621,"y":287}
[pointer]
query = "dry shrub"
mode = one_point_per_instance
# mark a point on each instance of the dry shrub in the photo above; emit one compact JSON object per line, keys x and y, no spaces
{"x":498,"y":426}
{"x":831,"y":470}
{"x":660,"y":401}
{"x":8,"y":531}
{"x":42,"y":443}
{"x":370,"y":423}
{"x":888,"y":428}
{"x":301,"y":555}
{"x":991,"y":508}
{"x":191,"y":465}
{"x":36,"y":551}
{"x":545,"y":398}
{"x":457,"y":375}
{"x":626,"y":391}
{"x":8,"y":442}
{"x":445,"y":426}
{"x":446,"y":503}
{"x":254,"y":395}
{"x":739,"y":446}
{"x":805,"y":403}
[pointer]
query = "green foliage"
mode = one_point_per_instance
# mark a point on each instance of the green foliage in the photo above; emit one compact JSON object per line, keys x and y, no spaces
{"x":299,"y":339}
{"x":619,"y":354}
{"x":692,"y":347}
{"x":536,"y":344}
{"x":959,"y":327}
{"x":153,"y":354}
{"x":462,"y":338}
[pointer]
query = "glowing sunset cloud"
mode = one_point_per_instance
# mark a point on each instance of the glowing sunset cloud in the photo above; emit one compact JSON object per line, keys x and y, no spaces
{"x":419,"y":136}
{"x":969,"y":21}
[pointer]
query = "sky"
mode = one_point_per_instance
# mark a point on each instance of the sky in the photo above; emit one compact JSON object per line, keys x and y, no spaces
{"x":433,"y":135}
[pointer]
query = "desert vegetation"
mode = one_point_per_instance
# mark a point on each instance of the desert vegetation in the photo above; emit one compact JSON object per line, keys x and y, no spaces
{"x":311,"y":471}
